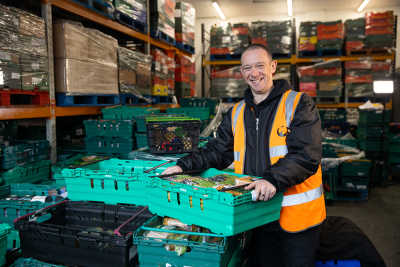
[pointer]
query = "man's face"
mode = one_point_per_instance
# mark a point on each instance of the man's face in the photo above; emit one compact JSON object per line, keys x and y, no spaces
{"x":257,"y":69}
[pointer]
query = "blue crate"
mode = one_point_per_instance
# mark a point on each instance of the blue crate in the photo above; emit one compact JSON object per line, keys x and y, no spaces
{"x":185,"y":47}
{"x":163,"y":37}
{"x":126,"y":99}
{"x":86,"y":100}
{"x":99,"y":6}
{"x":329,"y":53}
{"x":338,"y":263}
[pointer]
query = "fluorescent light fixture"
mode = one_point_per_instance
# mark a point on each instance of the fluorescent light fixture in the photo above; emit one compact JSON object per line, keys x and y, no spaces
{"x":290,"y":8}
{"x":383,"y":87}
{"x":219,"y":11}
{"x":363,"y":5}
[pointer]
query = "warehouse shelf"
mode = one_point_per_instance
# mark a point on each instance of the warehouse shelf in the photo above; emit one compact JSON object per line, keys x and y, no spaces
{"x":77,"y":9}
{"x":24,"y":112}
{"x":295,"y":59}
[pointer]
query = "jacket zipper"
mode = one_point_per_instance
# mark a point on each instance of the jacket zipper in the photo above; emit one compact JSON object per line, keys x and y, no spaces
{"x":257,"y":124}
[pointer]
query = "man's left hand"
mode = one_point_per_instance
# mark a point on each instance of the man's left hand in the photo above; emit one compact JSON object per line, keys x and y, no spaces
{"x":263,"y":189}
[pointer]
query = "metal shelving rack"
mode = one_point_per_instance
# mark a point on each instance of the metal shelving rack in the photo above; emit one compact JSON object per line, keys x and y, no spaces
{"x":51,"y":112}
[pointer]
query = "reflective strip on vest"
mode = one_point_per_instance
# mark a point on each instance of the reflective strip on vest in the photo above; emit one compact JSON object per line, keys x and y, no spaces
{"x":289,"y":107}
{"x":278,"y":151}
{"x":236,"y":115}
{"x":301,"y":198}
{"x":236,"y":155}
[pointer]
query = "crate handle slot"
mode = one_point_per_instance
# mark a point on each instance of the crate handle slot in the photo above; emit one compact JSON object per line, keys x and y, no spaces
{"x":39,"y":212}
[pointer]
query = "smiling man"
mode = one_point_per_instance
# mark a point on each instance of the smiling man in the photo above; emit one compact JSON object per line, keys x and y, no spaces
{"x":274,"y":133}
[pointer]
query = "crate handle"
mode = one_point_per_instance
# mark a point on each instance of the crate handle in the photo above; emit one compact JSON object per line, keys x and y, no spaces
{"x":38,"y":212}
{"x":145,"y":228}
{"x":116,"y":231}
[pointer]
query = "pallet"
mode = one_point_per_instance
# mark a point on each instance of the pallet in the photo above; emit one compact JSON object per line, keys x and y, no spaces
{"x":185,"y":47}
{"x":321,"y":53}
{"x":367,"y":52}
{"x":226,"y":57}
{"x":281,"y":56}
{"x":326,"y":100}
{"x":86,"y":100}
{"x":163,"y":37}
{"x":308,"y":53}
{"x":22,"y":97}
{"x":160,"y":99}
{"x":128,"y":21}
{"x":98,"y":6}
{"x":126,"y":99}
{"x":358,"y":99}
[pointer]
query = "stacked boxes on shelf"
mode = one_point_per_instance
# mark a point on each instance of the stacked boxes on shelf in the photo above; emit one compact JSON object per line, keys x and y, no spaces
{"x":325,"y":78}
{"x":85,"y":60}
{"x":277,"y":35}
{"x":354,"y":35}
{"x":354,"y":179}
{"x":371,"y":132}
{"x":330,"y":38}
{"x":162,"y":14}
{"x":358,"y":81}
{"x":160,"y":71}
{"x":23,"y":50}
{"x":308,"y":38}
{"x":379,"y":30}
{"x":185,"y":16}
{"x":227,"y":82}
{"x":171,"y":74}
{"x":134,"y":71}
{"x":183,"y":72}
{"x":228,"y":42}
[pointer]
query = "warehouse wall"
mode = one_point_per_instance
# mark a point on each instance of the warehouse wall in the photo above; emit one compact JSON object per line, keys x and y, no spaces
{"x":317,"y":16}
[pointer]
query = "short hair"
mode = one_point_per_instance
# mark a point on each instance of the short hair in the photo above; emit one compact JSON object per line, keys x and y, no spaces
{"x":257,"y":46}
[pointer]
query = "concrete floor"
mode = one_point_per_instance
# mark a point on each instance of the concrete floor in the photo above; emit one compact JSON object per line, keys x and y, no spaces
{"x":379,"y":218}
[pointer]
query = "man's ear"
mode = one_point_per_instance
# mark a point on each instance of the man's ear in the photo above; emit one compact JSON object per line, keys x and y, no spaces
{"x":274,"y":63}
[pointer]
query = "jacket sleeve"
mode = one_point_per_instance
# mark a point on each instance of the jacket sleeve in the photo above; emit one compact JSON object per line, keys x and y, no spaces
{"x":304,"y":148}
{"x":218,"y":153}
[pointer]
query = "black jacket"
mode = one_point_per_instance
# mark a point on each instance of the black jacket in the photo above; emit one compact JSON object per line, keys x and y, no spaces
{"x":303,"y":142}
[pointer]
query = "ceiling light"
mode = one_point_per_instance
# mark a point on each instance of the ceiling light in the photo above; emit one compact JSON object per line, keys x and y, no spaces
{"x":219,"y":11}
{"x":383,"y":87}
{"x":290,"y":8}
{"x":363,"y":5}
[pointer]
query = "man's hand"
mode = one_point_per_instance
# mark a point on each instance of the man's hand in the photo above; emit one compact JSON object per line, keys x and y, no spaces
{"x":172,"y":169}
{"x":264,"y":190}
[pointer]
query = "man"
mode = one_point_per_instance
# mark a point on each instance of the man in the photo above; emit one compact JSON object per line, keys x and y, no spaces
{"x":275,"y":133}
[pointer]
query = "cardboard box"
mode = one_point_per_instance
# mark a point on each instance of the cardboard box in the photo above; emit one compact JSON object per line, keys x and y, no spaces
{"x":127,"y":77}
{"x":80,"y":77}
{"x":70,"y":40}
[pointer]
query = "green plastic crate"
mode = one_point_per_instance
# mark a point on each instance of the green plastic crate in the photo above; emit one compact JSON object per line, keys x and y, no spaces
{"x":109,"y":145}
{"x":141,"y":120}
{"x":200,"y":102}
{"x":126,"y":112}
{"x":22,"y":152}
{"x":194,"y":112}
{"x":13,"y":240}
{"x":394,"y":158}
{"x":394,"y":143}
{"x":346,"y":142}
{"x":4,"y":231}
{"x":356,"y":168}
{"x":330,"y":180}
{"x":109,"y":128}
{"x":364,"y":132}
{"x":221,"y":212}
{"x":355,"y":183}
{"x":152,"y":252}
{"x":112,"y":181}
{"x":374,"y":117}
{"x":31,"y":262}
{"x":29,"y":173}
{"x":29,"y":189}
{"x":373,"y":145}
{"x":141,"y":140}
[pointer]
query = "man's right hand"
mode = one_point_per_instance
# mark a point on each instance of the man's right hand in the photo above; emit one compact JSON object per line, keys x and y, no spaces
{"x":172,"y":169}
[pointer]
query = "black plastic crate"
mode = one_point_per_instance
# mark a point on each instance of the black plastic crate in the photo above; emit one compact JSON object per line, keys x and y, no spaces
{"x":82,"y":233}
{"x":173,"y":137}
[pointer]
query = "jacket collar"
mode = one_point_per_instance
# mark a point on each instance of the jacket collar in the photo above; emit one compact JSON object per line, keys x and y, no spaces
{"x":280,"y":86}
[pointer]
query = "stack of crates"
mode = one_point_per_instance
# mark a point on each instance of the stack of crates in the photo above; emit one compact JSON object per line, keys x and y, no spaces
{"x":373,"y":126}
{"x":394,"y":150}
{"x":354,"y":35}
{"x":201,"y":113}
{"x":330,"y":38}
{"x":24,"y":162}
{"x":379,"y":30}
{"x":308,"y":38}
{"x":354,"y":180}
{"x":160,"y":72}
{"x":334,"y":120}
{"x":210,"y":103}
{"x":137,"y":116}
{"x":183,"y":72}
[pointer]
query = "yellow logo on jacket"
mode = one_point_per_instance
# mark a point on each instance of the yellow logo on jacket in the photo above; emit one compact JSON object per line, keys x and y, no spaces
{"x":283,"y":131}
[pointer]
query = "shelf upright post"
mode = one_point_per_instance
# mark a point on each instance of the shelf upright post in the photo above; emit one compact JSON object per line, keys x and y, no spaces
{"x":51,"y":121}
{"x":203,"y":58}
{"x":147,"y":48}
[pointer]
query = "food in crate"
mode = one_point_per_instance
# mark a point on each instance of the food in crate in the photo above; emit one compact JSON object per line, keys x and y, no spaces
{"x":86,"y":160}
{"x":171,"y":224}
{"x":174,"y":135}
{"x":222,"y":182}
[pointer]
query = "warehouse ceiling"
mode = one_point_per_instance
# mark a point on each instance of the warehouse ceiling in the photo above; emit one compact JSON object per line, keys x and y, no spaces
{"x":240,"y":8}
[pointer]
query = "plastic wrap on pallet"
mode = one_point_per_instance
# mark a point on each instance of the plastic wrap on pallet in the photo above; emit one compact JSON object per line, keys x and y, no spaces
{"x":308,"y":36}
{"x":30,"y":24}
{"x":134,"y":72}
{"x":86,"y":60}
{"x":136,"y":9}
{"x":163,"y":16}
{"x":160,"y":72}
{"x":277,"y":35}
{"x":229,"y":39}
{"x":328,"y":163}
{"x":185,"y":16}
{"x":212,"y":127}
{"x":227,"y":82}
{"x":379,"y":29}
{"x":10,"y":77}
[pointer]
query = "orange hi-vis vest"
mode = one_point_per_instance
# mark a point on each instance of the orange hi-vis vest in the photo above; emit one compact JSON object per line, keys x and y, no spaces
{"x":303,"y":205}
